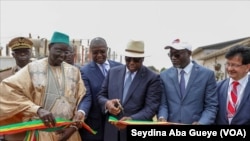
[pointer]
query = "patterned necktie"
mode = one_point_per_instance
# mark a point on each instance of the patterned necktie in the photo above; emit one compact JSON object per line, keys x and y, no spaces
{"x":104,"y":70}
{"x":231,"y":106}
{"x":126,"y":86}
{"x":182,"y":83}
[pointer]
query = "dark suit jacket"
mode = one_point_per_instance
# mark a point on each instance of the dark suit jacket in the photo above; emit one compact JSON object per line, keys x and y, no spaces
{"x":200,"y":102}
{"x":93,"y":78}
{"x":142,"y":100}
{"x":242,"y":116}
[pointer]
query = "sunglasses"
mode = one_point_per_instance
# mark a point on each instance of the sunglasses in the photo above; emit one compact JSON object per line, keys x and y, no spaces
{"x":136,"y":60}
{"x":176,"y":55}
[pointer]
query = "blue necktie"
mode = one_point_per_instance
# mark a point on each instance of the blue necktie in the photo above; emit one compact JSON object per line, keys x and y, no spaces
{"x":182,"y":83}
{"x":104,"y":70}
{"x":126,"y":86}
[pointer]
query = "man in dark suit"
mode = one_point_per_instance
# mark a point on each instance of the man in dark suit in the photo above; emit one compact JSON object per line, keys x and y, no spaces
{"x":142,"y":98}
{"x":93,"y":75}
{"x":189,"y":90}
{"x":234,"y":92}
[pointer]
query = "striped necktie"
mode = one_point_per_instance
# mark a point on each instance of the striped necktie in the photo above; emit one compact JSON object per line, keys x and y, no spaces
{"x":231,"y":105}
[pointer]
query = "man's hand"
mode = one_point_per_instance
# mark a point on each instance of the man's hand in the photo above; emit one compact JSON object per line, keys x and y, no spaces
{"x":112,"y":108}
{"x":47,"y":117}
{"x":78,"y":119}
{"x":65,"y":133}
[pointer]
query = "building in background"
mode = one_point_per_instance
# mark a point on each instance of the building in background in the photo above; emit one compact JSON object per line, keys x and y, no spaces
{"x":213,"y":54}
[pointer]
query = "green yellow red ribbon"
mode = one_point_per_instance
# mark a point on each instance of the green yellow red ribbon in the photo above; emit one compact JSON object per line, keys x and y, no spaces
{"x":140,"y":122}
{"x":38,"y":125}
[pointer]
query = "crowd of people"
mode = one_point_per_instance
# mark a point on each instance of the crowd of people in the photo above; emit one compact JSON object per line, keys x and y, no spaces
{"x":54,"y":87}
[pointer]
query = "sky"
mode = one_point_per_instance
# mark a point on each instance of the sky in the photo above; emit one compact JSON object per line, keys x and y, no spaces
{"x":157,"y":23}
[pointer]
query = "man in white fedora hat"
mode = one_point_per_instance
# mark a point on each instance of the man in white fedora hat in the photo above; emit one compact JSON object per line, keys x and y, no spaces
{"x":129,"y":92}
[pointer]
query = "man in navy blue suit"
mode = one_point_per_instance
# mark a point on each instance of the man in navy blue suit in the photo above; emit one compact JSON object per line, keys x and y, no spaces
{"x":141,"y":99}
{"x":93,"y":75}
{"x":234,"y":106}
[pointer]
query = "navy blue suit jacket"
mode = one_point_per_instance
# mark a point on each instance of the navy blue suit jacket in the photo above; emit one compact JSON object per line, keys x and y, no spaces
{"x":142,"y":100}
{"x":93,"y":78}
{"x":242,"y":115}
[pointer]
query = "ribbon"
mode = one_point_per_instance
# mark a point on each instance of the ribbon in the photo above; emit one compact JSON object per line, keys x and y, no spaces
{"x":140,"y":122}
{"x":38,"y":125}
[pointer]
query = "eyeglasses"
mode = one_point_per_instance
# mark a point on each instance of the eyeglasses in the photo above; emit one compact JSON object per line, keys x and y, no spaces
{"x":176,"y":54}
{"x":233,"y":65}
{"x":136,"y":60}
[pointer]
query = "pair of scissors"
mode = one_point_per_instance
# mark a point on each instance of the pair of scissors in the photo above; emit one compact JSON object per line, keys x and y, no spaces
{"x":118,"y":105}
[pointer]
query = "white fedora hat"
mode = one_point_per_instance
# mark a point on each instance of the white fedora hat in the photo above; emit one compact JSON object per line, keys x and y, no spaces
{"x":135,"y":49}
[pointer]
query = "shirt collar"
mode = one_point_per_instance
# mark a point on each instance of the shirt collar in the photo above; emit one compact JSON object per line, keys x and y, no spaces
{"x":127,"y":70}
{"x":187,"y":69}
{"x":105,"y":63}
{"x":243,"y":80}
